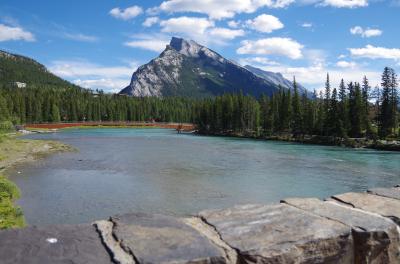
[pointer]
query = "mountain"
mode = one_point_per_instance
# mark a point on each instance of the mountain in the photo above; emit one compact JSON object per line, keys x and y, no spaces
{"x":188,"y":69}
{"x":21,"y":71}
{"x":275,"y":77}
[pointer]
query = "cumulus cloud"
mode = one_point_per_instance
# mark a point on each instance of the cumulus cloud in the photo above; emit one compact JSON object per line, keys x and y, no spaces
{"x":150,"y":21}
{"x":265,"y":23}
{"x":373,"y":52}
{"x":346,"y":64}
{"x":307,"y":25}
{"x":15,"y":33}
{"x":226,"y":33}
{"x":218,"y":9}
{"x":365,"y":33}
{"x":233,"y":24}
{"x":272,"y":46}
{"x":184,"y":24}
{"x":81,"y":37}
{"x":152,"y":42}
{"x":94,"y":76}
{"x":127,"y":13}
{"x":202,"y":30}
{"x":256,"y":61}
{"x":345,"y":3}
{"x":109,"y":85}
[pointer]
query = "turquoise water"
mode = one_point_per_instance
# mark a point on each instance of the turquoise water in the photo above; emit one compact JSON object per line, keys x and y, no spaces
{"x":159,"y":171}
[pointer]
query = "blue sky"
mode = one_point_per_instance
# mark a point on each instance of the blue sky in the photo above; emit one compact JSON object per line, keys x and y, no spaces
{"x":99,"y":44}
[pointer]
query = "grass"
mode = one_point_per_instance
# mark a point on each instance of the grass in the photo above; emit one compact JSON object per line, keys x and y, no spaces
{"x":15,"y":150}
{"x":11,"y":216}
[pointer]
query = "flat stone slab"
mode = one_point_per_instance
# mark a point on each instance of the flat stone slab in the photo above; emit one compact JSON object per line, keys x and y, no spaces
{"x":387,"y":192}
{"x":384,"y":206}
{"x":52,"y":244}
{"x":282,"y":234}
{"x":376,"y":238}
{"x":164,"y":239}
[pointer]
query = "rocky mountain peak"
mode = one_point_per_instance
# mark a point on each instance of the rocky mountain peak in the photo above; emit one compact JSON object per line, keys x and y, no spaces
{"x":186,"y":47}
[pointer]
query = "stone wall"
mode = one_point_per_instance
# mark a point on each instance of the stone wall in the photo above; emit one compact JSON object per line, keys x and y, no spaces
{"x":346,"y":228}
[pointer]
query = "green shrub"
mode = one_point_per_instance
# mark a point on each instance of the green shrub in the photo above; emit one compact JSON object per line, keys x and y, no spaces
{"x":10,"y":216}
{"x":6,"y":126}
{"x":9,"y":187}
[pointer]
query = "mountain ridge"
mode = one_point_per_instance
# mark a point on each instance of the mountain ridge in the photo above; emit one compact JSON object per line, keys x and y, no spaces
{"x":186,"y":68}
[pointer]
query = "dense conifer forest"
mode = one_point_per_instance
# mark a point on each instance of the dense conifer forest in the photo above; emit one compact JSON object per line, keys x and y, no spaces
{"x":351,"y":110}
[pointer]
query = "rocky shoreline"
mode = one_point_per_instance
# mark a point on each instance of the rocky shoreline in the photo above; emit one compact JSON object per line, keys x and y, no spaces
{"x":386,"y":145}
{"x":13,"y":151}
{"x":345,"y":228}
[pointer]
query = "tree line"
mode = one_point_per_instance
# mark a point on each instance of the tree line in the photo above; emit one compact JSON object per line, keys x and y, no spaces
{"x":350,"y":110}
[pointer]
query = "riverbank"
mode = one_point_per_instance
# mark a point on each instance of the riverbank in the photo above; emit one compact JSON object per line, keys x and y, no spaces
{"x":111,"y":124}
{"x":13,"y":151}
{"x":387,"y":145}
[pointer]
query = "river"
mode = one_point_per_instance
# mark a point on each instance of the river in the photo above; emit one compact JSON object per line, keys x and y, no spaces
{"x":159,"y":171}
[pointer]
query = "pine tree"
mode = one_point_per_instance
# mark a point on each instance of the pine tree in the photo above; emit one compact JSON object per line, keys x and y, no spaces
{"x":355,"y":109}
{"x":343,"y":107}
{"x":393,"y":102}
{"x":297,"y":126}
{"x":365,"y":98}
{"x":327,"y":104}
{"x":385,"y":111}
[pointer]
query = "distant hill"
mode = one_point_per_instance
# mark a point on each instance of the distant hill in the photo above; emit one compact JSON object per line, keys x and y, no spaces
{"x":275,"y":77}
{"x":188,"y":69}
{"x":19,"y":70}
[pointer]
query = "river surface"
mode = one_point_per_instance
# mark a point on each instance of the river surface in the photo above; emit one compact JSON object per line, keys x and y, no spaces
{"x":158,"y":171}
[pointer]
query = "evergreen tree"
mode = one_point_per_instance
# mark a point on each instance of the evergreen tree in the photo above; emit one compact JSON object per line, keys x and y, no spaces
{"x":365,"y":98}
{"x":297,"y":126}
{"x":385,"y":111}
{"x":394,"y":102}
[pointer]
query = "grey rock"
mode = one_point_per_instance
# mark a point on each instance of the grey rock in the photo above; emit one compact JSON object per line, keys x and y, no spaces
{"x":52,"y":244}
{"x":119,"y":255}
{"x":384,"y":206}
{"x":164,"y":239}
{"x":276,"y":78}
{"x":376,"y":239}
{"x":186,"y":68}
{"x":282,"y":234}
{"x":387,"y":192}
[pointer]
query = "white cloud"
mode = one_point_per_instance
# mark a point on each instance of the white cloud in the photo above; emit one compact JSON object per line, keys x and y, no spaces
{"x":226,"y":33}
{"x":152,"y":42}
{"x":187,"y":25}
{"x":307,"y":25}
{"x":314,"y":76}
{"x":218,"y":9}
{"x":15,"y":33}
{"x":201,"y":30}
{"x":150,"y":21}
{"x":256,"y":61}
{"x":126,"y":14}
{"x":265,"y":23}
{"x":346,"y":64}
{"x":341,"y":56}
{"x":94,"y":76}
{"x":272,"y":46}
{"x":109,"y":85}
{"x":81,"y":37}
{"x":345,"y":3}
{"x":365,"y":33}
{"x":233,"y":24}
{"x":373,"y":52}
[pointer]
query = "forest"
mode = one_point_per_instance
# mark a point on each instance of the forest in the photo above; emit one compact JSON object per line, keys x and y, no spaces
{"x":352,"y":110}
